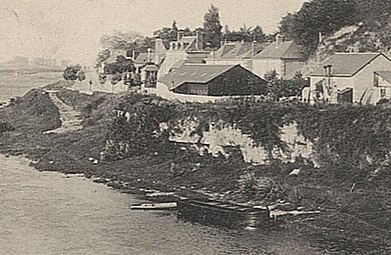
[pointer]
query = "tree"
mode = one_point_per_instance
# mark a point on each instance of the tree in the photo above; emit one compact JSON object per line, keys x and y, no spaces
{"x":212,"y":28}
{"x":167,"y":34}
{"x":120,"y":66}
{"x":246,"y":34}
{"x":122,"y":41}
{"x":257,"y":34}
{"x":72,"y":73}
{"x":318,"y":16}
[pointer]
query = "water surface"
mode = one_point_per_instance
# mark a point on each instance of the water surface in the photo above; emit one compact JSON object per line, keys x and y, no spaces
{"x":50,"y":213}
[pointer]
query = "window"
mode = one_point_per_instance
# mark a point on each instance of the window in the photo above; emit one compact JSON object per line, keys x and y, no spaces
{"x":383,"y":93}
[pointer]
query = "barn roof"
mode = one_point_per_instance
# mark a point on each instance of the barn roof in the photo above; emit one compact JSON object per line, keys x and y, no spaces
{"x":346,"y":64}
{"x":193,"y":73}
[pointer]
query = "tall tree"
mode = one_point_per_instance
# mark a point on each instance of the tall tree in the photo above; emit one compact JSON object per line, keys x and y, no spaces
{"x":318,"y":16}
{"x":257,"y":34}
{"x":212,"y":28}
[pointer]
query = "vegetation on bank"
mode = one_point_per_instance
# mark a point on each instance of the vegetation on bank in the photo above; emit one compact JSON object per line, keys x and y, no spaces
{"x":352,"y":143}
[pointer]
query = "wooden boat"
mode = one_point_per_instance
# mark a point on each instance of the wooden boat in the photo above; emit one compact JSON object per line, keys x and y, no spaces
{"x":223,"y":214}
{"x":154,"y":206}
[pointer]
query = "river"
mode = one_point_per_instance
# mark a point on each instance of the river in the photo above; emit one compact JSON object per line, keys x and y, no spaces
{"x":13,"y":84}
{"x":51,"y":213}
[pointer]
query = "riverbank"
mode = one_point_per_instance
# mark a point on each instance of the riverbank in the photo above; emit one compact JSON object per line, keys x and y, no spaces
{"x":346,"y":223}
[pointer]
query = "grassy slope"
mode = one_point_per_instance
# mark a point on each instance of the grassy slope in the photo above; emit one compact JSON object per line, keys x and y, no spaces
{"x":349,"y":222}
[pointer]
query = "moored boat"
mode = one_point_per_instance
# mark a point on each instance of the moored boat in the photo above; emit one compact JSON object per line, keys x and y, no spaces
{"x":223,"y":214}
{"x":154,"y":206}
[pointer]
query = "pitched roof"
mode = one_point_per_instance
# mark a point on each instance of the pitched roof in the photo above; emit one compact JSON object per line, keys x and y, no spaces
{"x":286,"y":50}
{"x":346,"y":64}
{"x":237,"y":50}
{"x":193,"y":73}
{"x":142,"y":58}
{"x":386,"y":75}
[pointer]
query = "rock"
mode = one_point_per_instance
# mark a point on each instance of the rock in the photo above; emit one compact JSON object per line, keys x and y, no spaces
{"x":295,"y":172}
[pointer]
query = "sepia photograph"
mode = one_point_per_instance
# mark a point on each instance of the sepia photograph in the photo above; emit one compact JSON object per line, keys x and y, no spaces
{"x":195,"y":127}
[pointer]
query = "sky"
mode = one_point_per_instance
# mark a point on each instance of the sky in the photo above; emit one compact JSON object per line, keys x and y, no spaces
{"x":72,"y":29}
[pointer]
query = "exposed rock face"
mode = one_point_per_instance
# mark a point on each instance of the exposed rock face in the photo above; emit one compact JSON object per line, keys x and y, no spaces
{"x":221,"y":138}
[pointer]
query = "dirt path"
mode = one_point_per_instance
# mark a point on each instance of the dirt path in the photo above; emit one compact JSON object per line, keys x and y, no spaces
{"x":70,"y":118}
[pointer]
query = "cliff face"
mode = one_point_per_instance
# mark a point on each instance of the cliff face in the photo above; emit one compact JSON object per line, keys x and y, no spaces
{"x":345,"y":140}
{"x":222,"y":139}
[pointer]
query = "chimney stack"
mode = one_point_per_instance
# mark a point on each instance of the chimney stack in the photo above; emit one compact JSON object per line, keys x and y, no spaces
{"x":159,"y":46}
{"x":199,"y":40}
{"x":279,"y":40}
{"x":180,"y":35}
{"x":253,"y":45}
{"x":149,"y":59}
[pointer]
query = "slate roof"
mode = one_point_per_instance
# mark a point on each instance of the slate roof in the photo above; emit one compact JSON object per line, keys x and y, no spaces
{"x":193,"y":73}
{"x":142,"y":58}
{"x":236,"y":50}
{"x":286,"y":50}
{"x":346,"y":64}
{"x":386,"y":75}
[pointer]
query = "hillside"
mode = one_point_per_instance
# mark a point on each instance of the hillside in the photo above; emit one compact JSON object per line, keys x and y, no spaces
{"x":345,"y":25}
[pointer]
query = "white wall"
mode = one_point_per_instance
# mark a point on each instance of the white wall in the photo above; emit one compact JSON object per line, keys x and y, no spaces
{"x":265,"y":65}
{"x":162,"y":91}
{"x":172,"y":57}
{"x":365,"y":79}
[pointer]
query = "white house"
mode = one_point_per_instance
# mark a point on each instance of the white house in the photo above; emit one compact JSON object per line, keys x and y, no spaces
{"x":351,"y":78}
{"x":284,"y":57}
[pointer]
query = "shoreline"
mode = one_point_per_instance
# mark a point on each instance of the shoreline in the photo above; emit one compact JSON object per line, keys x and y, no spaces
{"x":174,"y":174}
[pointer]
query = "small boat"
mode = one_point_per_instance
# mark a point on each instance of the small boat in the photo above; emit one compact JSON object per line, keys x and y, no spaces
{"x":154,"y":206}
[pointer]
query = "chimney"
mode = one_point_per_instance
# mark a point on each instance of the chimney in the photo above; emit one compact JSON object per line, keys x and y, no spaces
{"x":159,"y":46}
{"x":253,"y":45}
{"x":199,"y":40}
{"x":279,"y":40}
{"x":149,"y":59}
{"x":180,"y":35}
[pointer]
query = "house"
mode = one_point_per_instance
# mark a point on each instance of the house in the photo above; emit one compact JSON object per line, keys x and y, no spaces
{"x":234,"y":53}
{"x":284,"y":57}
{"x":205,"y":81}
{"x":185,"y":48}
{"x":382,"y":85}
{"x":351,"y":78}
{"x":156,"y":56}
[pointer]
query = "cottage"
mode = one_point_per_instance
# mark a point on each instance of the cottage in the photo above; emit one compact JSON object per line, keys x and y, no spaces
{"x":210,"y":81}
{"x":284,"y":57}
{"x":351,"y":78}
{"x":185,"y":48}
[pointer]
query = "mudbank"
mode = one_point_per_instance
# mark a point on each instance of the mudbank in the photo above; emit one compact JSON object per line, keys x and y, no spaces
{"x":334,"y":159}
